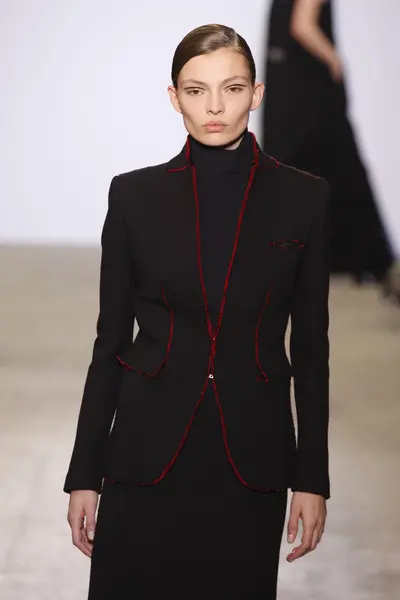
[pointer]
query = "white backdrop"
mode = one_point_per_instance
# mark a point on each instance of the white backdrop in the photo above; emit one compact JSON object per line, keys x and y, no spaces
{"x":84,"y":97}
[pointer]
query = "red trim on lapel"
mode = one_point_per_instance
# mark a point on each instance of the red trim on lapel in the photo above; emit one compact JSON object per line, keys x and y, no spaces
{"x":182,"y":160}
{"x":213,"y":333}
{"x":181,"y":163}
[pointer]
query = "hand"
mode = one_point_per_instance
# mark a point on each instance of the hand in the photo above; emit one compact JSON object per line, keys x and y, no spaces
{"x":336,"y":69}
{"x":82,"y":505}
{"x":311,"y":509}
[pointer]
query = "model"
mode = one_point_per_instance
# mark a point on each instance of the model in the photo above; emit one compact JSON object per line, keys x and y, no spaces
{"x":187,"y":431}
{"x":306,"y":125}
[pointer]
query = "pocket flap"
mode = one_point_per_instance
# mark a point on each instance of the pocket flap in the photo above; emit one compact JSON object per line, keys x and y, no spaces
{"x":286,"y":244}
{"x":143,"y":356}
{"x":277,"y":371}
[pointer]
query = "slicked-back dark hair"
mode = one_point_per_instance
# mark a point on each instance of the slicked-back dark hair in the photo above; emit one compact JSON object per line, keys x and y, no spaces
{"x":207,"y":39}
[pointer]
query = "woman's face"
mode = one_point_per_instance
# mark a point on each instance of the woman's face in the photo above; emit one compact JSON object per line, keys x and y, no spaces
{"x":215,"y":96}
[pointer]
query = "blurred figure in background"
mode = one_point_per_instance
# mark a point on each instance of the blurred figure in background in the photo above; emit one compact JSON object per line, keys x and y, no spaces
{"x":306,"y":126}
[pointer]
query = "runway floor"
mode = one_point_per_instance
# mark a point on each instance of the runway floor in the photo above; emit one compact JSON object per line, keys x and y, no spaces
{"x":48,"y":310}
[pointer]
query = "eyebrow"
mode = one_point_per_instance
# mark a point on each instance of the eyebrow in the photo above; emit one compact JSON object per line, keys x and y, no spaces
{"x":228,"y":80}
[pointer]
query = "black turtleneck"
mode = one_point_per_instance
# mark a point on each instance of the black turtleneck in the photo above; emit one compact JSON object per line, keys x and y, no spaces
{"x":222,"y":176}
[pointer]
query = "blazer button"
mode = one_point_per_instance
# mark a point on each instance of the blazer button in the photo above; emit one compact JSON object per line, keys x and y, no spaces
{"x":211,"y":376}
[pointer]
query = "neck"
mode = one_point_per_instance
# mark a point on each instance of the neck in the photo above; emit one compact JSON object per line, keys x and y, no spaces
{"x":215,"y":161}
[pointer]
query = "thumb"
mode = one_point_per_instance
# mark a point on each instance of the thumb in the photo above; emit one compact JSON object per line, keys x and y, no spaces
{"x":293,"y":525}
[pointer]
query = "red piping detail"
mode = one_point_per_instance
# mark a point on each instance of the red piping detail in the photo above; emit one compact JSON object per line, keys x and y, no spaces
{"x":198,"y":245}
{"x":187,"y":150}
{"x":214,"y":333}
{"x":226,"y":446}
{"x":258,"y":335}
{"x":187,"y":156}
{"x":241,"y":215}
{"x":164,"y":362}
{"x":280,"y":244}
{"x":179,"y":169}
{"x":181,"y":443}
{"x":228,"y":451}
{"x":255,"y":151}
{"x":277,"y":163}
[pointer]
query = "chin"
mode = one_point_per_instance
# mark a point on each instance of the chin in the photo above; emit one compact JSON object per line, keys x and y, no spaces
{"x":217,"y":138}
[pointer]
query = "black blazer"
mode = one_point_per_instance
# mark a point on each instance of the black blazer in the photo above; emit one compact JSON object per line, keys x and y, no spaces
{"x":151,"y":269}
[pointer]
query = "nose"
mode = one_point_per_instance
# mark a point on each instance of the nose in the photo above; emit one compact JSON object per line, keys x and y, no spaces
{"x":215,"y":104}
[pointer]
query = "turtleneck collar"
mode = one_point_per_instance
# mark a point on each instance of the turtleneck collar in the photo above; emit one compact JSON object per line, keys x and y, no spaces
{"x":212,"y":161}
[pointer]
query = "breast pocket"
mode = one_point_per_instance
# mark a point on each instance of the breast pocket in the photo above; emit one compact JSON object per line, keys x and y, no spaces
{"x":284,"y":259}
{"x":286,"y":253}
{"x":287,"y":244}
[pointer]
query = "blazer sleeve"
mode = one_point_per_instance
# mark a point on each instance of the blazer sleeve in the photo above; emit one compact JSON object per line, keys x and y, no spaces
{"x":309,"y":351}
{"x":114,"y":331}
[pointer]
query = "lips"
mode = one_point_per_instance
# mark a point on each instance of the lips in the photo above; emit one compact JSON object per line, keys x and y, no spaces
{"x":214,"y":126}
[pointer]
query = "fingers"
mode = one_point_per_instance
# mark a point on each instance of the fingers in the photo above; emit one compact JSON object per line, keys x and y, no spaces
{"x":90,"y":524}
{"x":293,"y":526}
{"x":78,"y":534}
{"x":304,"y":548}
{"x":311,"y":538}
{"x":82,"y":508}
{"x":314,"y":541}
{"x":321,"y":529}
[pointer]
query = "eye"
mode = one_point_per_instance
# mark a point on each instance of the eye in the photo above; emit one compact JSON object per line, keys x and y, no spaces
{"x":193,"y":91}
{"x":236,"y":88}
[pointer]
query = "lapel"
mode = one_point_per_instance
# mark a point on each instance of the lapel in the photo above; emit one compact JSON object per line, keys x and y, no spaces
{"x":182,"y":191}
{"x":180,"y":253}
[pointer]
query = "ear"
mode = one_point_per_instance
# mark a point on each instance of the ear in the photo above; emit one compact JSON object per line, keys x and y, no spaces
{"x":258,"y":94}
{"x":173,"y":96}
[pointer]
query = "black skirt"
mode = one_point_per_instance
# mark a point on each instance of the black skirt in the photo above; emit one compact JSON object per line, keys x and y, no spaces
{"x":198,"y":531}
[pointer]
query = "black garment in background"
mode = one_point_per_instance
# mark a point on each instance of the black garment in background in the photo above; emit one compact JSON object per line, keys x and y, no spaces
{"x":306,"y":126}
{"x":198,"y":533}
